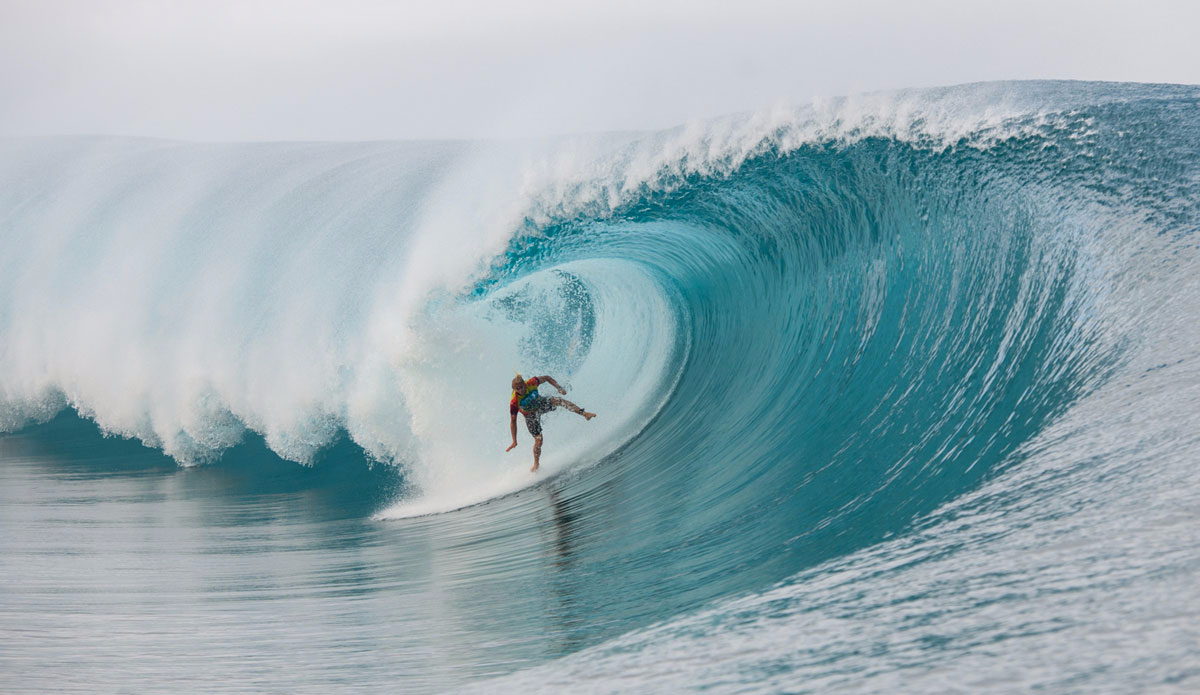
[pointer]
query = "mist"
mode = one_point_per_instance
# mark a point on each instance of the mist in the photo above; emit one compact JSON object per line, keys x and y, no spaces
{"x":368,"y":69}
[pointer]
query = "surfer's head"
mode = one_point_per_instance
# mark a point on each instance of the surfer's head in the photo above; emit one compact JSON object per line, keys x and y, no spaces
{"x":518,"y":384}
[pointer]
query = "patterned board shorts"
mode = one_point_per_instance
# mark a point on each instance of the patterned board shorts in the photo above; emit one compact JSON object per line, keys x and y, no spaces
{"x":533,"y":417}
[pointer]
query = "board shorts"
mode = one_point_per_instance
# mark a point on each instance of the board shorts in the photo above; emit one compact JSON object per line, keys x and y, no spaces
{"x":533,"y":416}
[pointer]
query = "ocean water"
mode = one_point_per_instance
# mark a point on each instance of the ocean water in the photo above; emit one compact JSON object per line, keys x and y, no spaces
{"x":896,"y":393}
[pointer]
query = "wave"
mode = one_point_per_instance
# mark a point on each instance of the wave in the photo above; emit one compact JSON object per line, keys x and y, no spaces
{"x":871,"y":362}
{"x":893,"y":273}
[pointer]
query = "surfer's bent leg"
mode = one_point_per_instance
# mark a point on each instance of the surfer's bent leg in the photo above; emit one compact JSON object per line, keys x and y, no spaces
{"x":557,"y":402}
{"x":564,"y":403}
{"x":537,"y":451}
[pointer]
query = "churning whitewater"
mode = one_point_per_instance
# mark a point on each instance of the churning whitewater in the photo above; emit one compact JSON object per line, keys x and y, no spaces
{"x":895,"y":393}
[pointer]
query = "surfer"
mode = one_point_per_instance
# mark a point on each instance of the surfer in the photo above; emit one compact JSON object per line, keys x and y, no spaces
{"x":527,"y":401}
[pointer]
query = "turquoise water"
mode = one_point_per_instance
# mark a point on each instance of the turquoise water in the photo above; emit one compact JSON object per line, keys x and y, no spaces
{"x":896,"y":393}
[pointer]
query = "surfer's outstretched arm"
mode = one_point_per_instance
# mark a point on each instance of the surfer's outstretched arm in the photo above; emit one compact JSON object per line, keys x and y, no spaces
{"x":550,"y":380}
{"x":512,"y":427}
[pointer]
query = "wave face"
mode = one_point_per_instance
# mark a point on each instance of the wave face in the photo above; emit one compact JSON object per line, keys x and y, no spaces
{"x":831,"y":349}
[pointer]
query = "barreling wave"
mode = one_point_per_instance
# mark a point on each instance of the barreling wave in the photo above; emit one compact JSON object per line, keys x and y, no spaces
{"x":895,"y":290}
{"x":870,"y":343}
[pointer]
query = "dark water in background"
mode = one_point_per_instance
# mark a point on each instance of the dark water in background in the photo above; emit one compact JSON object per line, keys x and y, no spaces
{"x":895,"y":396}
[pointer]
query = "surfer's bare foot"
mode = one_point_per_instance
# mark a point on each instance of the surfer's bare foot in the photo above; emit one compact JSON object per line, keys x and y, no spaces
{"x":534,"y":469}
{"x":587,"y":416}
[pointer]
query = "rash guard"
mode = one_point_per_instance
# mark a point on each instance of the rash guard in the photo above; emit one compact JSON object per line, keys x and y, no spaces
{"x":525,"y":403}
